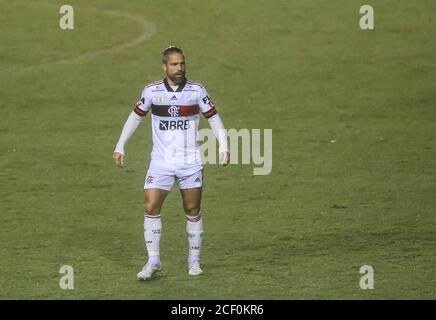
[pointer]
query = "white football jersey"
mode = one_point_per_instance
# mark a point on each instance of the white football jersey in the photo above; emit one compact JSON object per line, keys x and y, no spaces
{"x":175,"y":119}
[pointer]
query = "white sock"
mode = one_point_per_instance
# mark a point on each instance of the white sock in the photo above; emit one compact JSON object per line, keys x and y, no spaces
{"x":152,"y":233}
{"x":194,"y":229}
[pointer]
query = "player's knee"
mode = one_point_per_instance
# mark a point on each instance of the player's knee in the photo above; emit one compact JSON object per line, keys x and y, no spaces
{"x":152,"y":209}
{"x":192,"y":210}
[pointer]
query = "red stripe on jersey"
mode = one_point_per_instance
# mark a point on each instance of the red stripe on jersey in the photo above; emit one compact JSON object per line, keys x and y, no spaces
{"x":139,"y":112}
{"x":210,"y":113}
{"x":186,"y":111}
{"x":156,"y":83}
{"x":195,"y":83}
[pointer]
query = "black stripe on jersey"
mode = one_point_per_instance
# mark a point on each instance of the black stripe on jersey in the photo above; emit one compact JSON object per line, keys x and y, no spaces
{"x":161,"y":111}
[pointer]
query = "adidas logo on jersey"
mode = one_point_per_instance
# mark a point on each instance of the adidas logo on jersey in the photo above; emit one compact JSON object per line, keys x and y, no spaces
{"x":173,"y":97}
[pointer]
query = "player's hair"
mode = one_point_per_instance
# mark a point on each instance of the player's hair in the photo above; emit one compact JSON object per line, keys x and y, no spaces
{"x":168,"y":51}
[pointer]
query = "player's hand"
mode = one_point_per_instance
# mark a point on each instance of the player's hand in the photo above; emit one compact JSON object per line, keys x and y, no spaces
{"x":118,"y":159}
{"x":225,"y":158}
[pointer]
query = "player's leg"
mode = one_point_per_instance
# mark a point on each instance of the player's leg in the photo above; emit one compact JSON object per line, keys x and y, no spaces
{"x":154,"y":199}
{"x":191,"y":191}
{"x":156,"y":189}
{"x":194,"y":227}
{"x":191,"y":201}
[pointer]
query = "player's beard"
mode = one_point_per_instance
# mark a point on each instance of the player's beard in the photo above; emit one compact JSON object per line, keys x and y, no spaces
{"x":177,"y":79}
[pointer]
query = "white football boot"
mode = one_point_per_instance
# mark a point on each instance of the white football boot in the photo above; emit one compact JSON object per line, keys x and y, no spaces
{"x":148,"y":271}
{"x":194,"y":269}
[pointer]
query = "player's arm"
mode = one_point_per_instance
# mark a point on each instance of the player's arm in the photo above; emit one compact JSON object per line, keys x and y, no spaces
{"x":132,"y":123}
{"x":220,"y":133}
{"x":217,"y":125}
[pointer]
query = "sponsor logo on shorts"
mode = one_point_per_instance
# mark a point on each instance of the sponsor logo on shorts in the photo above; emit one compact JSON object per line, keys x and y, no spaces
{"x":149,"y":179}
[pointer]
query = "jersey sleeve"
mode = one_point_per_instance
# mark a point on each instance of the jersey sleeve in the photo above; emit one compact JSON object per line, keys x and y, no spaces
{"x":144,"y":103}
{"x":206,"y":105}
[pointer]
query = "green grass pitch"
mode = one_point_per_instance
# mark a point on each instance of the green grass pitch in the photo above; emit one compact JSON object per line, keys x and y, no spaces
{"x":353,"y":178}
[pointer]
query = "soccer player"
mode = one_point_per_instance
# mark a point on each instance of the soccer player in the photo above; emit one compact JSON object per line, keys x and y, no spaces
{"x":175,"y":103}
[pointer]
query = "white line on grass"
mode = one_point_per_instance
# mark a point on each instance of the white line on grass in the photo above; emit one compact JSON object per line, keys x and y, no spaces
{"x":148,"y":29}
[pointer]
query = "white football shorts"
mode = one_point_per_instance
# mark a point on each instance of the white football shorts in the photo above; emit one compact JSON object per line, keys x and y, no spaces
{"x":166,"y":182}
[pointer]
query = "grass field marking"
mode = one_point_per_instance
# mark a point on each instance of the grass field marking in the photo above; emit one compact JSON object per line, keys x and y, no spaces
{"x":149,"y":29}
{"x":67,"y":280}
{"x":367,"y":280}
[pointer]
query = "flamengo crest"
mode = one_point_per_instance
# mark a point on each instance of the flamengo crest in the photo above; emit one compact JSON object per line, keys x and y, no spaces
{"x":173,"y":111}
